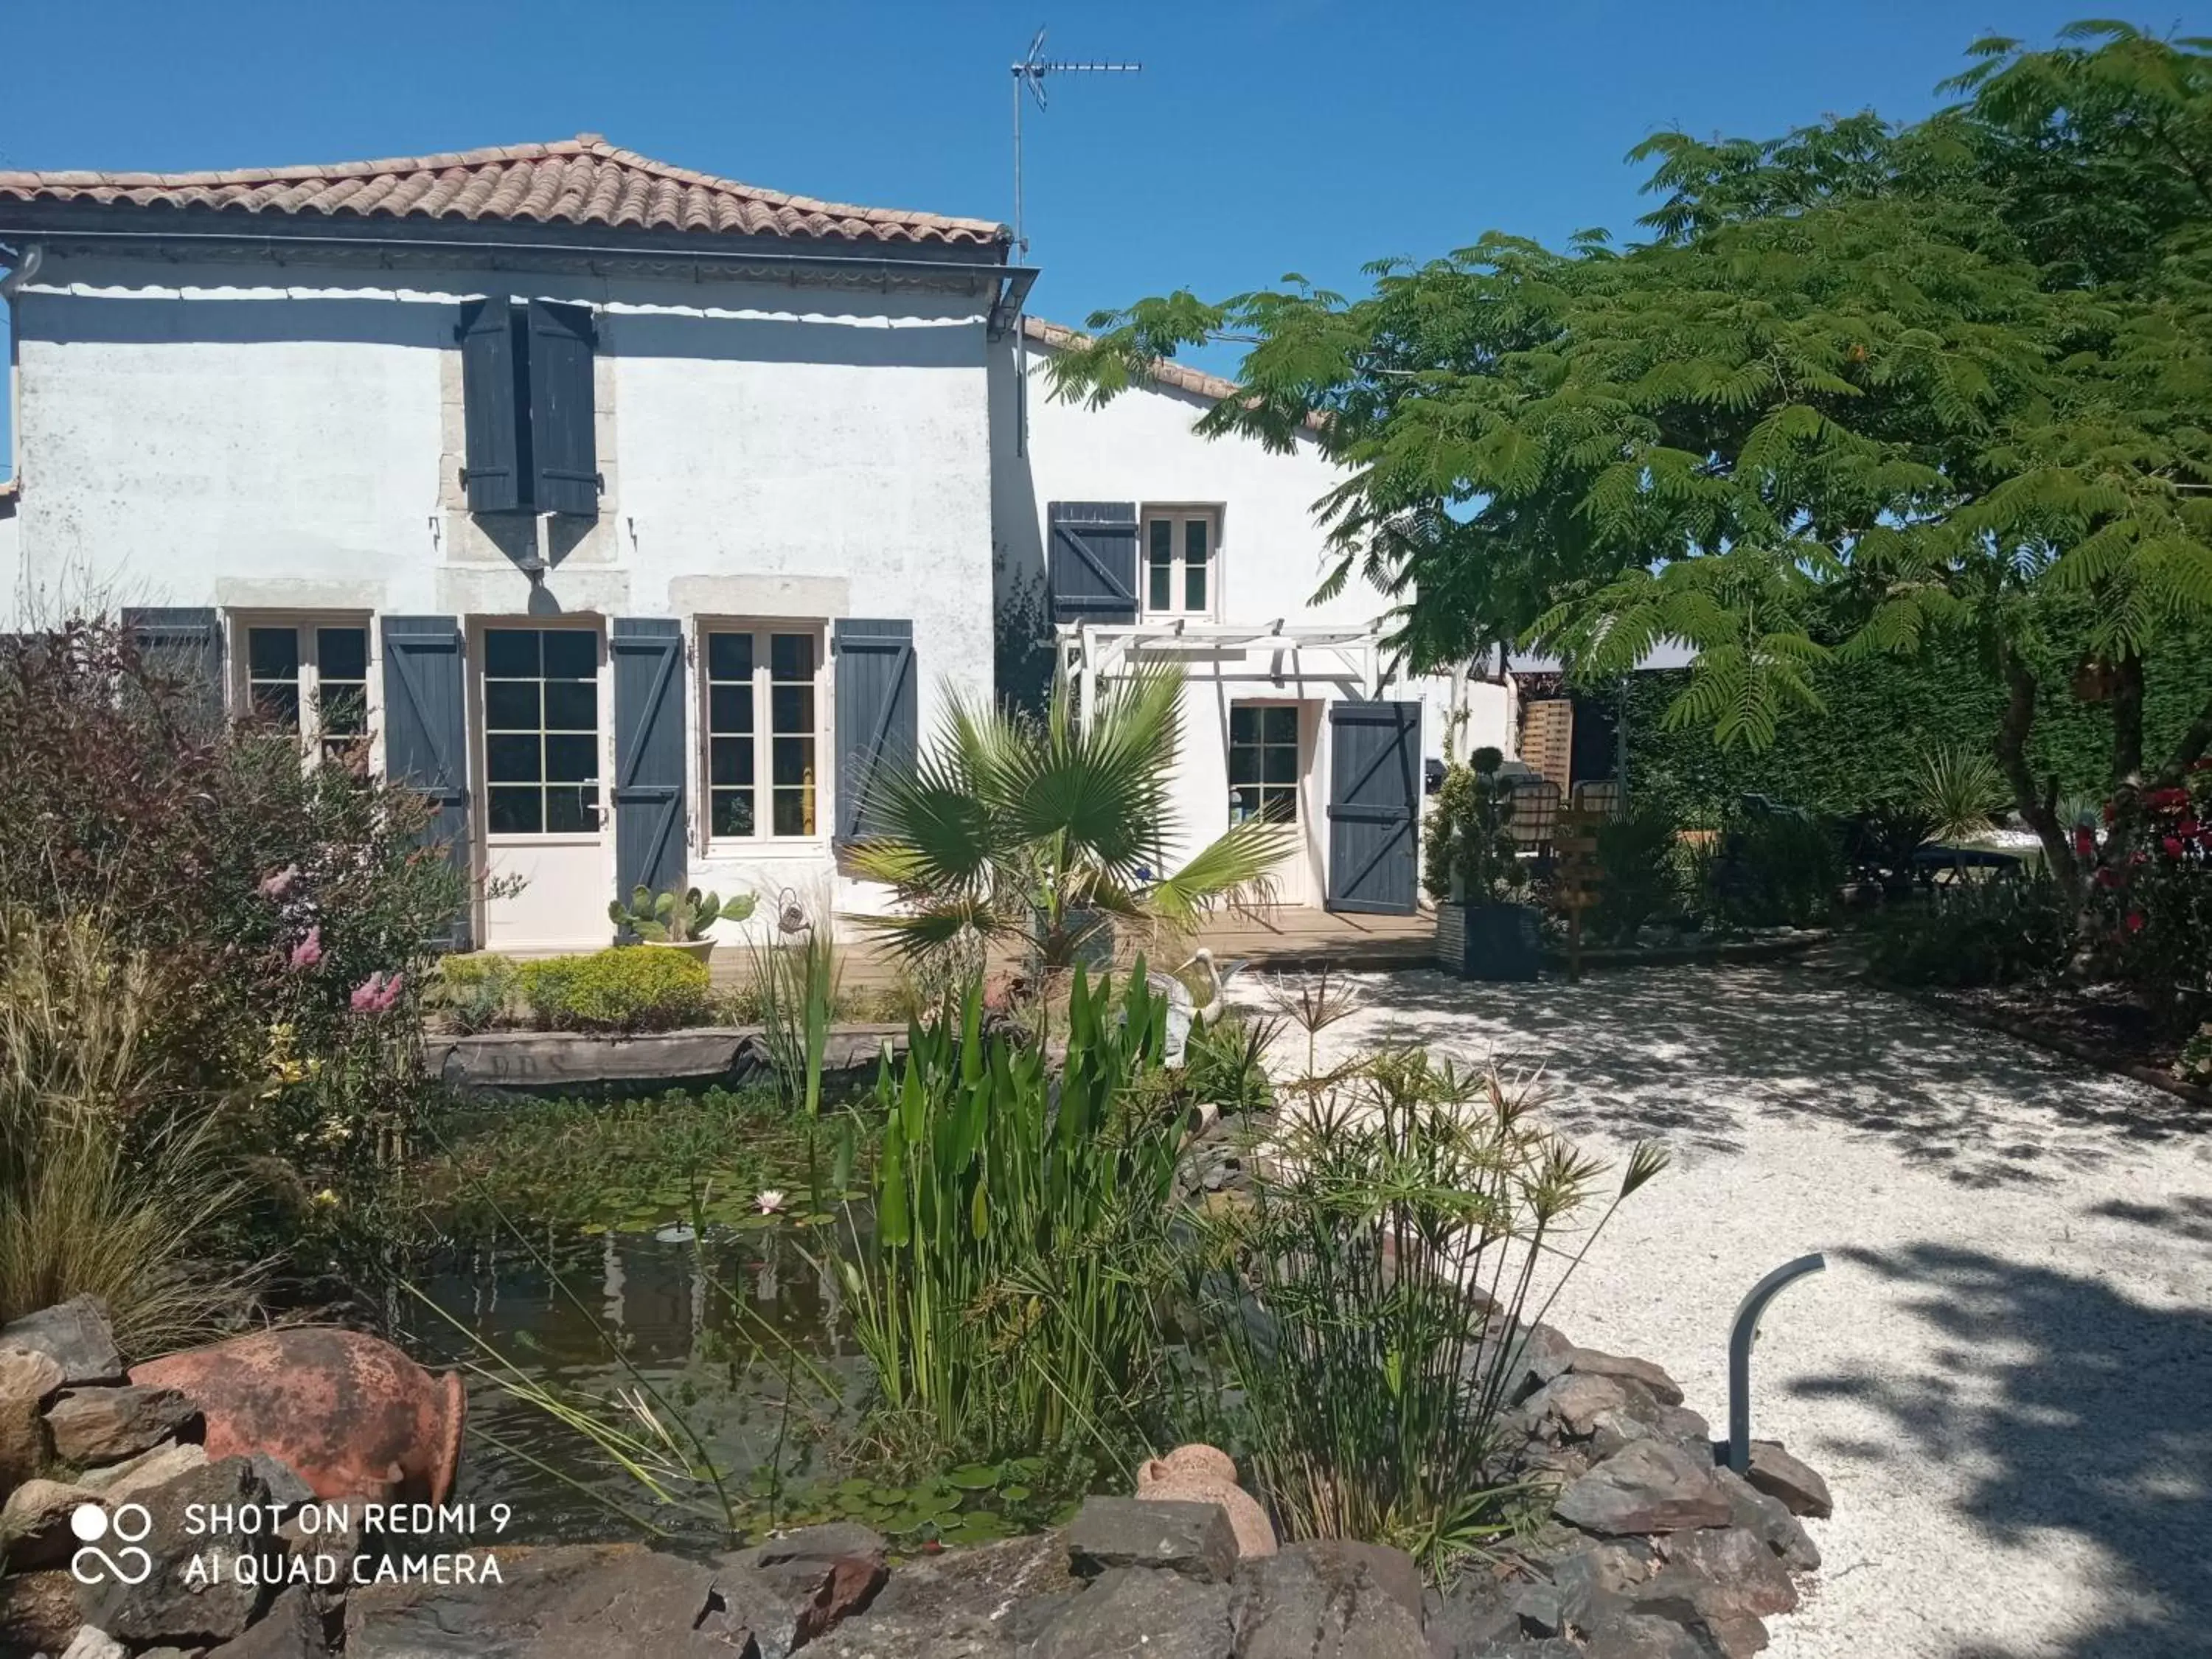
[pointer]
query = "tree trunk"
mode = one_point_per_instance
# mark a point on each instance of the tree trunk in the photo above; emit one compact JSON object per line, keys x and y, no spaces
{"x":2039,"y":812}
{"x":2128,"y":727}
{"x":2194,"y":742}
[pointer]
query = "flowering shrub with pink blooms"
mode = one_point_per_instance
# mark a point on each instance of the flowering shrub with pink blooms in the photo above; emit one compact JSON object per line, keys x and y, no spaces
{"x":2152,"y":898}
{"x":295,"y":900}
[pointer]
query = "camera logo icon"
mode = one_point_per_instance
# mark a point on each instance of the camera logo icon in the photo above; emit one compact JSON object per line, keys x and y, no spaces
{"x":127,"y":1526}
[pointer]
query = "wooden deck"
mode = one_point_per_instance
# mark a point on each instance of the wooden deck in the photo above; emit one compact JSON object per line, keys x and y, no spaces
{"x":1280,"y":938}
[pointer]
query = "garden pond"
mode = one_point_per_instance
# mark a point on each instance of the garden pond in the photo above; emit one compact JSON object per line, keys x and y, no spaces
{"x":576,"y":1263}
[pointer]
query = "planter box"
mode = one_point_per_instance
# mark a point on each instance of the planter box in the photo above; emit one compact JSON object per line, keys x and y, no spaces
{"x":1489,"y":941}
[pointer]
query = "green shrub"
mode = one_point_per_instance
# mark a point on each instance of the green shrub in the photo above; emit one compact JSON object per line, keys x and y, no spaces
{"x":475,"y":992}
{"x":627,"y":989}
{"x":1468,"y":853}
{"x":1640,"y":869}
{"x":1773,"y":868}
{"x":1981,"y":932}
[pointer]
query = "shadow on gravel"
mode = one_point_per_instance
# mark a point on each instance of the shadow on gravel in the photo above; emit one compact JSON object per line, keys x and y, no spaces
{"x":1686,"y":1052}
{"x":2065,"y":1408}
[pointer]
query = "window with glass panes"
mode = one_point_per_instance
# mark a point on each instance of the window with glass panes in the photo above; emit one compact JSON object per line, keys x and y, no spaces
{"x":1179,"y":549}
{"x":541,"y":705}
{"x":1263,"y":762}
{"x":311,"y":678}
{"x":762,"y":730}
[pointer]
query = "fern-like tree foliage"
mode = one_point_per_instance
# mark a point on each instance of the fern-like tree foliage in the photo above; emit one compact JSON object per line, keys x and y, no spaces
{"x":1862,"y":387}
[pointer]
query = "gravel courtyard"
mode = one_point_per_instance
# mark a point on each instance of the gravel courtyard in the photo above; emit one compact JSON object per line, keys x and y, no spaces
{"x":2006,"y":1372}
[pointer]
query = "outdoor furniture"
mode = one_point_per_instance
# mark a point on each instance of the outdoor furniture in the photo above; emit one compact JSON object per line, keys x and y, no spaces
{"x":1934,"y":864}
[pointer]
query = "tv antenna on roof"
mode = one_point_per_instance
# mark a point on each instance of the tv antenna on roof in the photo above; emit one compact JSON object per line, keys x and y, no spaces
{"x":1029,"y":74}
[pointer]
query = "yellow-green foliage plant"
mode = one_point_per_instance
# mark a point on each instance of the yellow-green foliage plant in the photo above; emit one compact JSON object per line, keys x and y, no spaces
{"x":630,"y":988}
{"x":107,"y":1184}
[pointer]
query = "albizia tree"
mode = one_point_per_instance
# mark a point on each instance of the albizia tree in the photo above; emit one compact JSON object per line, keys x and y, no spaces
{"x":1865,"y":386}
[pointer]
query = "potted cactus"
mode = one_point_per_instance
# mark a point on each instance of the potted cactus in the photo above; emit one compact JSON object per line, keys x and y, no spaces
{"x":676,"y":920}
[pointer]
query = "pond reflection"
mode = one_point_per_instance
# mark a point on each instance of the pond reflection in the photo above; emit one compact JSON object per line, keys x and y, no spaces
{"x":720,"y":1329}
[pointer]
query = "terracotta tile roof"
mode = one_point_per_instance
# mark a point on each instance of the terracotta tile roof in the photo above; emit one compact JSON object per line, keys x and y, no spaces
{"x":1165,"y":371}
{"x":583,"y":180}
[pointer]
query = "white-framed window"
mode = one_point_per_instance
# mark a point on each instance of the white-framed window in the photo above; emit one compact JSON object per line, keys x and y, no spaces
{"x":763,"y":695}
{"x":541,"y":731}
{"x":308,"y":675}
{"x":1181,"y":555}
{"x":1263,"y":762}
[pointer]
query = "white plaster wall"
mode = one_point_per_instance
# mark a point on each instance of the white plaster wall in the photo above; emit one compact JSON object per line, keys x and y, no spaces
{"x":245,"y":437}
{"x":11,"y":573}
{"x":1273,"y":555}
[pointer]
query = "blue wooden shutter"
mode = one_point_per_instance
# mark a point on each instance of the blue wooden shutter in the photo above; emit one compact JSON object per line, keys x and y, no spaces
{"x":1090,"y":563}
{"x":184,"y":646}
{"x":492,"y":408}
{"x":563,"y":448}
{"x":1374,"y":804}
{"x":650,"y":762}
{"x":878,"y":727}
{"x":426,"y":733}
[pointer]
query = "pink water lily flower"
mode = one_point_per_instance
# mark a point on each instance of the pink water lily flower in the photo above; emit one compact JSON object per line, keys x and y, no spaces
{"x":376,"y":994}
{"x":309,"y":950}
{"x":275,"y":886}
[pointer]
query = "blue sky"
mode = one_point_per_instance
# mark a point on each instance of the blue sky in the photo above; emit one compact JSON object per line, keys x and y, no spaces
{"x":1263,"y":136}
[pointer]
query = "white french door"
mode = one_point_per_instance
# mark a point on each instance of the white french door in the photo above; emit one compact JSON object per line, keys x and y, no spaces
{"x":541,"y":698}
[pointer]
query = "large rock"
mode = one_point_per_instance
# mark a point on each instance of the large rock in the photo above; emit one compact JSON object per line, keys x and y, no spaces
{"x":1779,"y":1474}
{"x":26,"y":1377}
{"x":1136,"y":1610}
{"x":1747,"y":1576}
{"x":291,"y":1629}
{"x":569,"y":1602}
{"x":1330,"y":1600}
{"x":91,"y":1426}
{"x":1595,"y":1362}
{"x":91,"y":1644}
{"x":1769,"y":1520}
{"x":790,"y":1590}
{"x":774,"y":1608}
{"x":1194,"y":1540}
{"x":1530,"y":1357}
{"x":1645,"y":1636}
{"x":38,"y":1612}
{"x":194,"y":1594}
{"x":1652,"y":1485}
{"x":35,"y":1524}
{"x":1576,"y":1404}
{"x":75,"y":1335}
{"x":120,"y":1482}
{"x":1473,"y":1612}
{"x":982,"y":1601}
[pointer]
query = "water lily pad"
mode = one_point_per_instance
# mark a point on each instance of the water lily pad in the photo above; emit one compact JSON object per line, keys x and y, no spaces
{"x":974,"y":1477}
{"x":892,"y":1495}
{"x":855,"y":1488}
{"x":1015,"y":1494}
{"x":978,"y":1527}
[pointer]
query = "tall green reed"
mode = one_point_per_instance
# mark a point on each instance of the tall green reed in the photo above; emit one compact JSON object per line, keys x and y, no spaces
{"x":1002,"y":1298}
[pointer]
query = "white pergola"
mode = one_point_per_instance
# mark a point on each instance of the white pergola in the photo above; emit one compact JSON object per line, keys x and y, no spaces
{"x":1091,"y":652}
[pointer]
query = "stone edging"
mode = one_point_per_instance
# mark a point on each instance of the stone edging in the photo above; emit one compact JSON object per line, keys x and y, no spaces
{"x":519,"y":1063}
{"x":2028,"y":1031}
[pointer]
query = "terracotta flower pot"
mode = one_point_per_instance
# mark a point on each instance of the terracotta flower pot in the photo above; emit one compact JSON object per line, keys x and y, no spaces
{"x":352,"y":1416}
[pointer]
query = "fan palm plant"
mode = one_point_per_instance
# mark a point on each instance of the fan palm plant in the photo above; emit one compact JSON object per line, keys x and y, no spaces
{"x":1009,"y":825}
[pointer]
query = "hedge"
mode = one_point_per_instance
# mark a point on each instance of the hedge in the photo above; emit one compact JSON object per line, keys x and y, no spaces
{"x":1881,"y":716}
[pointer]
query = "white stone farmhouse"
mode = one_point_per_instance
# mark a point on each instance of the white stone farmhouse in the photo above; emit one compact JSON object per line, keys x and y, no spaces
{"x":640,"y":515}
